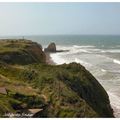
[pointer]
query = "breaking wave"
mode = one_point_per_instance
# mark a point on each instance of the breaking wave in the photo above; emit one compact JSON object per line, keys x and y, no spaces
{"x":103,"y":70}
{"x":57,"y":59}
{"x":111,"y":51}
{"x":82,"y":62}
{"x":85,"y":46}
{"x":115,"y":103}
{"x":116,"y":61}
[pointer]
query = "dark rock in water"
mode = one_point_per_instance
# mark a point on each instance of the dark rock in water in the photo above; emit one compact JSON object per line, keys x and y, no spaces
{"x":51,"y":48}
{"x":62,"y":51}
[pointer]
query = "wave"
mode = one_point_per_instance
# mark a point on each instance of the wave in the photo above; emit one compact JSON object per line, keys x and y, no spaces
{"x":87,"y":49}
{"x":57,"y":59}
{"x":116,"y":61}
{"x":79,"y":49}
{"x":83,"y":46}
{"x":115,"y":103}
{"x":103,"y":70}
{"x":82,"y":62}
{"x":111,"y":51}
{"x":102,"y":51}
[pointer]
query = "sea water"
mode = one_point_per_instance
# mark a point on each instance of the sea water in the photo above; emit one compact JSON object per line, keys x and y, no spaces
{"x":100,"y":54}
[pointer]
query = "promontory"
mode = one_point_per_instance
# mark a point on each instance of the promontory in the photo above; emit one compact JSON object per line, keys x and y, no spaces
{"x":30,"y":86}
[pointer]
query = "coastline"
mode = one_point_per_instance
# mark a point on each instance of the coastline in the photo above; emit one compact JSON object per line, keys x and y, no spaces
{"x":49,"y":59}
{"x":55,"y":78}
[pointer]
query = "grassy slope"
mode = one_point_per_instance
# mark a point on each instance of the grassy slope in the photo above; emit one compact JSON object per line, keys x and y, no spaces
{"x":25,"y":81}
{"x":61,"y":91}
{"x":21,"y":52}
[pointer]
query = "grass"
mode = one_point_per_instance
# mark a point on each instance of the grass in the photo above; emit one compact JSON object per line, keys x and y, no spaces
{"x":12,"y":45}
{"x":67,"y":90}
{"x":6,"y":105}
{"x":35,"y":80}
{"x":21,"y":52}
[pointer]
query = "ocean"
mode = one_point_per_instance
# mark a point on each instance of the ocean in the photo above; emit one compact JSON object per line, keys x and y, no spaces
{"x":100,"y":54}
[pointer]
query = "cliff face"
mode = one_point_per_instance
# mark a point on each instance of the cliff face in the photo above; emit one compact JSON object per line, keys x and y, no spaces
{"x":21,"y":52}
{"x":88,"y":88}
{"x":67,"y":90}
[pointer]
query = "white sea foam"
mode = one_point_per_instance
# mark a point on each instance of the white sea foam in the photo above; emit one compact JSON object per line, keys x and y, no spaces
{"x":83,"y":46}
{"x":85,"y":49}
{"x":102,"y":51}
{"x":57,"y":59}
{"x":115,"y":103}
{"x":82,"y":62}
{"x":116,"y":61}
{"x":79,"y":50}
{"x":111,"y":51}
{"x":103,"y":70}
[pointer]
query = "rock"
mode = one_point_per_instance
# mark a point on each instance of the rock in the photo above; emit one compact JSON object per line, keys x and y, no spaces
{"x":34,"y":111}
{"x":23,"y":52}
{"x":3,"y":90}
{"x":51,"y":48}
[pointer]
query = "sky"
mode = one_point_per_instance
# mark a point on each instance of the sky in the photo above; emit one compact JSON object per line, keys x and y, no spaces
{"x":59,"y":18}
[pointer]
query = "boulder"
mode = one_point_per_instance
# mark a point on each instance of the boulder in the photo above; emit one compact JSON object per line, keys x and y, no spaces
{"x":51,"y":48}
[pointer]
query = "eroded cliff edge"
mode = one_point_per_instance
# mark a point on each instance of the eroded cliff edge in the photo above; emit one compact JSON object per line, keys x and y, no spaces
{"x":67,"y":90}
{"x":21,"y":52}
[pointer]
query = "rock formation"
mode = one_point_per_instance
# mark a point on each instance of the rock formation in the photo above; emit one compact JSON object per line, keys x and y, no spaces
{"x":23,"y":52}
{"x":51,"y":48}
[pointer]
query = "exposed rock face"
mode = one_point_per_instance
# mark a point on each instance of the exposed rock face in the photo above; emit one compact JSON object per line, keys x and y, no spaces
{"x":89,"y":89}
{"x":36,"y":52}
{"x":31,"y":52}
{"x":51,"y":48}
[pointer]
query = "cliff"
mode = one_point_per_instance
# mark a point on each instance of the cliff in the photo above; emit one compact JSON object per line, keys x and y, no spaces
{"x":21,"y":52}
{"x":67,"y":90}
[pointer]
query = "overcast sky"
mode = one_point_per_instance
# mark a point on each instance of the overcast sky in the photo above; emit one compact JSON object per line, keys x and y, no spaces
{"x":59,"y":18}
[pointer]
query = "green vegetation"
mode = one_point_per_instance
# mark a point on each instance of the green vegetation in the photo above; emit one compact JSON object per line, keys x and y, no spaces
{"x":21,"y":52}
{"x":59,"y":90}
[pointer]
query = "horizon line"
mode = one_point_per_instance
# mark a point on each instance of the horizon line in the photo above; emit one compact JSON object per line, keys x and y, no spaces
{"x":55,"y":35}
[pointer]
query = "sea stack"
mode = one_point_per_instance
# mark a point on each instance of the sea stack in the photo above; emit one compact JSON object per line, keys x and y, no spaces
{"x":51,"y":47}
